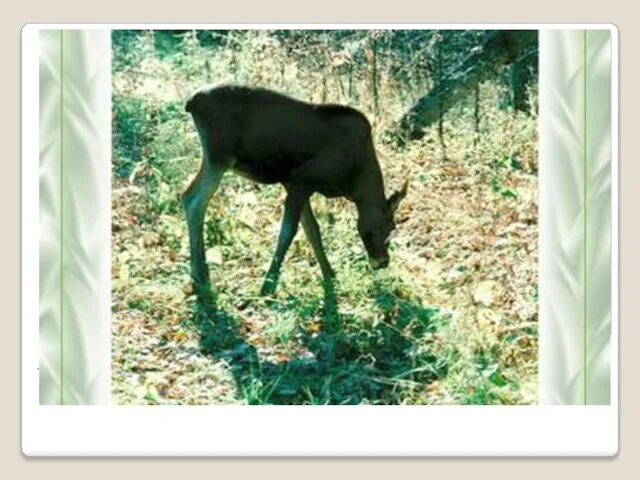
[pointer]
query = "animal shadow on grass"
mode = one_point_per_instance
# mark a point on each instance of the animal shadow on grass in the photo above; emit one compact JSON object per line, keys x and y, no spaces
{"x":377,"y":363}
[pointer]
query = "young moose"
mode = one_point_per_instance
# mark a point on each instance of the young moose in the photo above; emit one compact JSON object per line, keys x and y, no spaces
{"x":271,"y":138}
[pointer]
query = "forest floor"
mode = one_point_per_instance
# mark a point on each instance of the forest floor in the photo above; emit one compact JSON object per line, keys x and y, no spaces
{"x":453,"y":320}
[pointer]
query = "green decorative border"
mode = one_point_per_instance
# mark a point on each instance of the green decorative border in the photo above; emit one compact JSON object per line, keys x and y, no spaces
{"x":585,"y":216}
{"x":575,"y":216}
{"x":62,"y":190}
{"x":75,"y":216}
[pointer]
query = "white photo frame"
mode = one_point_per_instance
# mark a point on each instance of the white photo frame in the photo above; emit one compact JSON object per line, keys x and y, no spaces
{"x":66,"y":353}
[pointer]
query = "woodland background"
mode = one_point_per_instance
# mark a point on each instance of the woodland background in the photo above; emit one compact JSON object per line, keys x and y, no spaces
{"x":453,"y":320}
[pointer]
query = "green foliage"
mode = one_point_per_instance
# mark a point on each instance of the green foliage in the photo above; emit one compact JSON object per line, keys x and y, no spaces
{"x":131,"y":118}
{"x":504,"y":163}
{"x":405,"y":336}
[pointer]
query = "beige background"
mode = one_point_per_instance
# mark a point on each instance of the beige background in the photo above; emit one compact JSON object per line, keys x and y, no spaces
{"x":327,"y":11}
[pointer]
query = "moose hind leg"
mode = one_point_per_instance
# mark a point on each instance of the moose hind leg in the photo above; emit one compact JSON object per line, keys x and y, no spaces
{"x":195,"y":200}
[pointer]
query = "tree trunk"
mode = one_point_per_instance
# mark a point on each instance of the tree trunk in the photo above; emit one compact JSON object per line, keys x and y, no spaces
{"x":476,"y":116}
{"x":374,"y":77}
{"x":441,"y":107}
{"x":523,"y":71}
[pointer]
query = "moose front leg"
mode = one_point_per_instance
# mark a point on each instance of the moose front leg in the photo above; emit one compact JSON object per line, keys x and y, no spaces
{"x":294,"y":203}
{"x":312,"y":231}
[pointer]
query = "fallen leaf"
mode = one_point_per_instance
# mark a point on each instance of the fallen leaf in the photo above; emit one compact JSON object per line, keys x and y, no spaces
{"x":315,"y":327}
{"x":248,"y":198}
{"x":214,"y":255}
{"x":281,"y":358}
{"x":487,"y":319}
{"x":483,"y":293}
{"x":435,"y":387}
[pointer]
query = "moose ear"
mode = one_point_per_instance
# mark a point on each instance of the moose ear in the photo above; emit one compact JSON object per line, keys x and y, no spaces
{"x":394,"y":200}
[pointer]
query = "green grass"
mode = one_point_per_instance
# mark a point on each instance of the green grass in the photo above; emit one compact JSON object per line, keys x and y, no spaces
{"x":453,"y":320}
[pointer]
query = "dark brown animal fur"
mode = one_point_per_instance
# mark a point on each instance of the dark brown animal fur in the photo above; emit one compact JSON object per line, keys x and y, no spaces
{"x":308,"y":148}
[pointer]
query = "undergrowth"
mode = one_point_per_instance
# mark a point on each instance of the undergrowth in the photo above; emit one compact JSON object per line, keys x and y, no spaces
{"x":453,"y":320}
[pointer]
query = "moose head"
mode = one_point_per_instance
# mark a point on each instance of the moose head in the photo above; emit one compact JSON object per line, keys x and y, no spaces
{"x":376,"y":225}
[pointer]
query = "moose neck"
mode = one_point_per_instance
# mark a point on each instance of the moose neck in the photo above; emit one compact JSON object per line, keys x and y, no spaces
{"x":368,"y":189}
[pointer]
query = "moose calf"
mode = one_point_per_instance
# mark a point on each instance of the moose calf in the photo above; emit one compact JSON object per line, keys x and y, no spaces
{"x":271,"y":138}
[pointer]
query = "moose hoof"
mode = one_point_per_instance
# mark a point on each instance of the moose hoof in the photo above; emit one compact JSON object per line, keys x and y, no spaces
{"x":268,"y":288}
{"x":206,"y":300}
